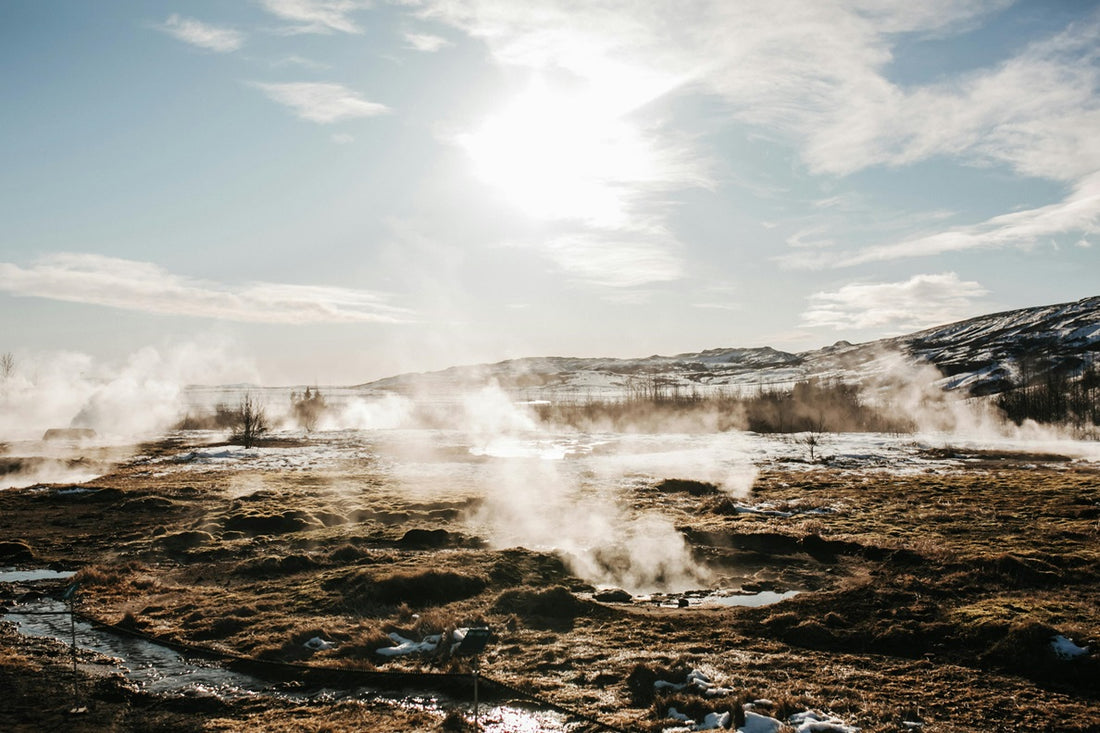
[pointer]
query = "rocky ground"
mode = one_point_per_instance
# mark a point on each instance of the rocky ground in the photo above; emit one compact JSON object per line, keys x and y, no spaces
{"x":929,"y":601}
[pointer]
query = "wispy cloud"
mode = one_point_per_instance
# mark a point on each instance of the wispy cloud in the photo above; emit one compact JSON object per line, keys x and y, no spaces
{"x":900,"y":307}
{"x":1077,"y":213}
{"x":143,"y":286}
{"x":818,"y":76}
{"x":203,"y":35}
{"x":1034,"y":112}
{"x":605,"y":261}
{"x":317,"y":16}
{"x":813,"y":72}
{"x":300,"y":61}
{"x":425,"y":42}
{"x":322,"y":102}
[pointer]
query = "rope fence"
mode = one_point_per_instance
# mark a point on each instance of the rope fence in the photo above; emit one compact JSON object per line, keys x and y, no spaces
{"x":320,"y":675}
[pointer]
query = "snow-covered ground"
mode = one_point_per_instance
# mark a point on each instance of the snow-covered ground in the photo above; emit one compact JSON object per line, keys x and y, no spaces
{"x":716,"y":457}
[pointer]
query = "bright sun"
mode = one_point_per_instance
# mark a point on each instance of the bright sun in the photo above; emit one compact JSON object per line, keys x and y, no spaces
{"x":562,"y":156}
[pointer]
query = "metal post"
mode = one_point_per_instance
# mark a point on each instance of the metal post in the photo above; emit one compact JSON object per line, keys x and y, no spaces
{"x":472,"y":643}
{"x":476,"y":725}
{"x":72,"y":630}
{"x":69,"y":597}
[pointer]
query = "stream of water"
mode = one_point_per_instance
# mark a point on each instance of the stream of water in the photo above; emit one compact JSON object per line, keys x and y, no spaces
{"x":158,"y":670}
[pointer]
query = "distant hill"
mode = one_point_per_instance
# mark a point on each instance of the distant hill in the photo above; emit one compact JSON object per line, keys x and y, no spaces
{"x":983,"y":356}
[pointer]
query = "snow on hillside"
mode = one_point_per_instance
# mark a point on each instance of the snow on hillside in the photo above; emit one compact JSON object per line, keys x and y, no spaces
{"x":980,"y":355}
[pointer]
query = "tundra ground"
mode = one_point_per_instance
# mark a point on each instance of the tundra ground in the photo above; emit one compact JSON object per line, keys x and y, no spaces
{"x":926,"y":598}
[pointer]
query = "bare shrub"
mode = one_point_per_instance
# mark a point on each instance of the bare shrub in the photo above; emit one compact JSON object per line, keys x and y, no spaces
{"x":251,"y":422}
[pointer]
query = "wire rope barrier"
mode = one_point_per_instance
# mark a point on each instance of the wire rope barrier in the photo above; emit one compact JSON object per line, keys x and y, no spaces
{"x":315,"y":674}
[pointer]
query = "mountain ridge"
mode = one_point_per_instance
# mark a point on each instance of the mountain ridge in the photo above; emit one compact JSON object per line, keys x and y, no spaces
{"x":982,"y":355}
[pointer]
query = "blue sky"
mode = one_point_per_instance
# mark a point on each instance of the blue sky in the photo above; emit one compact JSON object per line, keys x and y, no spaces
{"x":336,"y":191}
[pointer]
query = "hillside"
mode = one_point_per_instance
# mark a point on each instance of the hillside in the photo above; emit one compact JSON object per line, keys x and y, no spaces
{"x":983,"y":355}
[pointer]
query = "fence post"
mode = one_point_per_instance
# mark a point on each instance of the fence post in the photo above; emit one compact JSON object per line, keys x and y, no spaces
{"x":69,"y":597}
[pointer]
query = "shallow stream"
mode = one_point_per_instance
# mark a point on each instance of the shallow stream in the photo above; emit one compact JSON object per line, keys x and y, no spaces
{"x":158,"y":670}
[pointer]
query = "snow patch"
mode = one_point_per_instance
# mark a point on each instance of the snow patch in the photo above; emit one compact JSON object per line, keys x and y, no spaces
{"x":696,"y":681}
{"x":1064,"y":648}
{"x":757,"y":723}
{"x":408,"y":646}
{"x":318,"y":644}
{"x":712,"y":721}
{"x":815,"y":721}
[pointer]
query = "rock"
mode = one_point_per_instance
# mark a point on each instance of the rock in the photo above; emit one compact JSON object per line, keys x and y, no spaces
{"x":613,"y":595}
{"x":425,"y":538}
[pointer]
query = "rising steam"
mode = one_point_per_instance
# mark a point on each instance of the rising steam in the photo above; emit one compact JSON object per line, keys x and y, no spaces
{"x":114,"y":403}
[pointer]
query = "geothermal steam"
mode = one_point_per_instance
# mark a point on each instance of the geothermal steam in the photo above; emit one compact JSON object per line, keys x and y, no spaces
{"x":553,"y":492}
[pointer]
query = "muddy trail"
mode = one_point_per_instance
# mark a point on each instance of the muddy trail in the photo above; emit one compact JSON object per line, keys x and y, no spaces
{"x":947,"y":600}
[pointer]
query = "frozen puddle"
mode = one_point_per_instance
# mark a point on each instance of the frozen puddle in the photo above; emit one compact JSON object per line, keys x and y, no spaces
{"x":30,"y":576}
{"x":763,"y":598}
{"x":704,"y":598}
{"x":158,"y":670}
{"x":150,"y":667}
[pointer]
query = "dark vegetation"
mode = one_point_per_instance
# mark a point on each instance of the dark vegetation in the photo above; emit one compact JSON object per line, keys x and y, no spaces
{"x":307,"y":408}
{"x":248,"y":419}
{"x":653,"y":405}
{"x":223,"y":417}
{"x":1055,"y":396}
{"x":1066,"y":394}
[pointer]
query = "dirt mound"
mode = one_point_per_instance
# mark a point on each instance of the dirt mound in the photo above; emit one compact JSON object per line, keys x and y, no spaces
{"x":430,"y":588}
{"x":271,"y":524}
{"x":695,"y":488}
{"x":554,"y":608}
{"x":185,"y":540}
{"x":15,"y":551}
{"x":424,"y":538}
{"x":273,"y":566}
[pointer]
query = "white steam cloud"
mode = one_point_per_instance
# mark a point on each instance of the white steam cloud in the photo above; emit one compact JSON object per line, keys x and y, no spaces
{"x":136,"y":398}
{"x":572,"y":493}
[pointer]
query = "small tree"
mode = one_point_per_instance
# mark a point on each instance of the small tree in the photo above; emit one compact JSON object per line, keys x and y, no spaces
{"x":308,"y":407}
{"x":251,"y":421}
{"x":812,"y":440}
{"x":7,"y":365}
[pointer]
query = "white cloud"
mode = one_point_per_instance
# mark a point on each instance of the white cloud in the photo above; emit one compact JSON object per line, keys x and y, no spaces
{"x":719,"y":306}
{"x":817,"y":75}
{"x":1078,"y":212}
{"x":317,"y":16}
{"x":606,"y":261}
{"x":143,"y":286}
{"x":301,"y":61}
{"x":426,"y":42}
{"x":1034,"y":112}
{"x":321,"y":102}
{"x":805,"y":69}
{"x":203,"y":35}
{"x":901,"y":307}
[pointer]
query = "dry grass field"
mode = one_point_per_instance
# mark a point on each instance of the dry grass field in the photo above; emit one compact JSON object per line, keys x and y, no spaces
{"x":929,"y":601}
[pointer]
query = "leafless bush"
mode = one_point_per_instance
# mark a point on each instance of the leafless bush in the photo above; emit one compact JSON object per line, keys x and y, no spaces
{"x":251,"y":421}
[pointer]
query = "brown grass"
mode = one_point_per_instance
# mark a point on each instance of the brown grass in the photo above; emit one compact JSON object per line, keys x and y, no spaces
{"x":930,"y":594}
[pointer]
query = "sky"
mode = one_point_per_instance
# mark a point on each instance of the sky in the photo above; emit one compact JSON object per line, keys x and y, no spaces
{"x":335,"y":191}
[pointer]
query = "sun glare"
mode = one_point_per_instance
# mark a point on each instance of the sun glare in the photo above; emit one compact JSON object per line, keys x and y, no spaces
{"x":558,"y":155}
